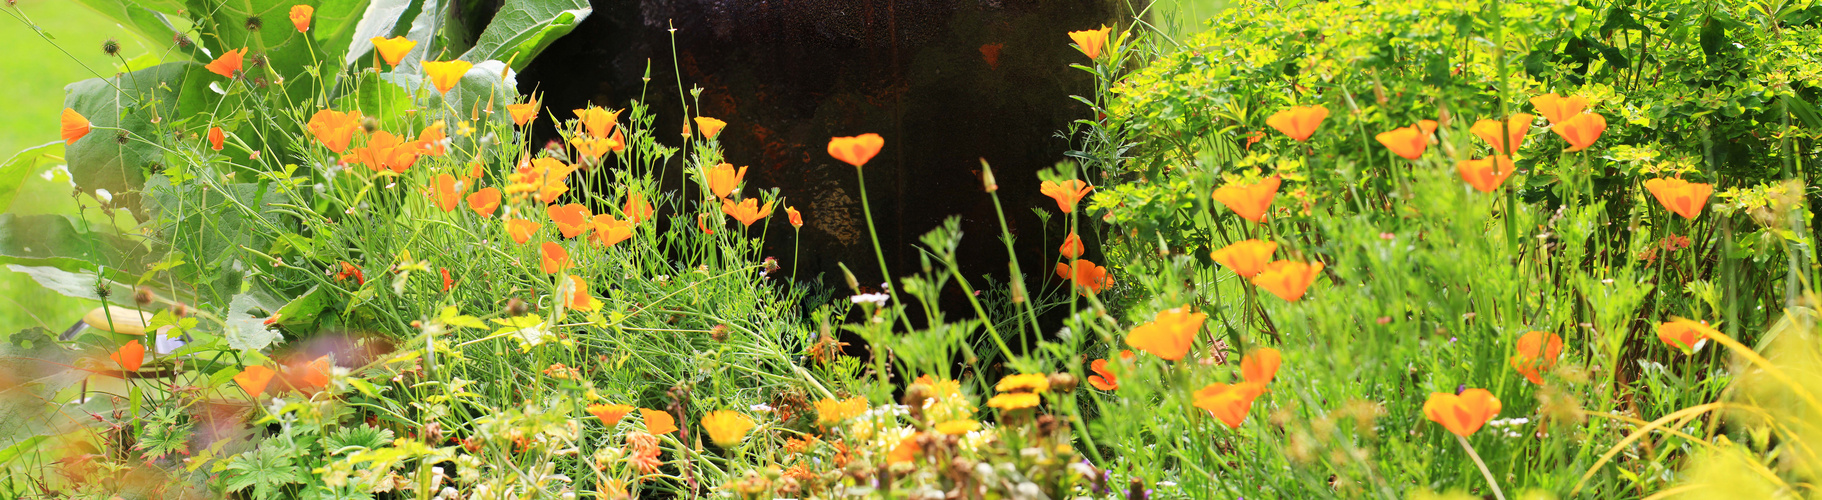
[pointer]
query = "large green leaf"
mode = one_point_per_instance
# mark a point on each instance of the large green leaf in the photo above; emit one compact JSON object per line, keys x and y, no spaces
{"x":523,"y":28}
{"x":128,"y":104}
{"x":53,"y":240}
{"x":145,"y":17}
{"x":13,"y":172}
{"x":381,"y":19}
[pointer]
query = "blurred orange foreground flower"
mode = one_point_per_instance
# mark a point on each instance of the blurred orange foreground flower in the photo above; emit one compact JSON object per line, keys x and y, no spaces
{"x":75,"y":126}
{"x":1249,"y":201}
{"x":1067,"y":193}
{"x":552,"y":257}
{"x":1169,"y":335}
{"x":1684,"y":334}
{"x":521,"y":230}
{"x":1288,"y":279}
{"x":300,"y":17}
{"x":1089,"y":42}
{"x":1246,"y":257}
{"x":1537,"y":351}
{"x":446,"y":196}
{"x":609,"y":415}
{"x":856,"y":150}
{"x":254,"y":379}
{"x":1482,"y":175}
{"x":578,"y":297}
{"x":1298,"y":122}
{"x":228,"y":64}
{"x":1516,"y":128}
{"x":1461,"y":414}
{"x":1680,"y":196}
{"x":1229,"y":402}
{"x":1261,"y":365}
{"x":1087,"y":277}
{"x":1102,"y":378}
{"x":637,"y":209}
{"x":392,"y":49}
{"x":1581,"y":130}
{"x":1409,"y":142}
{"x":658,"y":422}
{"x":130,"y":356}
{"x":445,"y":74}
{"x":1558,"y":108}
{"x":334,"y":129}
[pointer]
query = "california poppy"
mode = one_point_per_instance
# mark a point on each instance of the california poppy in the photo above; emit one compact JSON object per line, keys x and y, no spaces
{"x":1261,"y":365}
{"x":1557,"y":108}
{"x":905,"y":451}
{"x":1685,"y":334}
{"x":702,"y":222}
{"x":349,"y":271}
{"x":831,"y":411}
{"x":1067,"y":193}
{"x":609,"y":415}
{"x":552,"y":257}
{"x":1516,"y":128}
{"x":1102,"y":378}
{"x":1298,"y":122}
{"x":1408,"y":142}
{"x":1089,"y":42}
{"x":433,"y":139}
{"x":589,"y":148}
{"x":484,"y":201}
{"x":228,"y":64}
{"x":598,"y":122}
{"x":1072,"y":247}
{"x":300,"y":17}
{"x":393,"y":49}
{"x":254,"y":379}
{"x":130,"y":356}
{"x":578,"y":297}
{"x":710,"y":127}
{"x":316,"y":373}
{"x":1169,"y":335}
{"x":1537,"y":351}
{"x":658,"y":422}
{"x":1482,"y":173}
{"x":1229,"y":403}
{"x":1461,"y":414}
{"x":334,"y":129}
{"x":215,"y":138}
{"x":1288,"y":279}
{"x":747,"y":211}
{"x":75,"y":126}
{"x":1246,"y":257}
{"x":387,"y":152}
{"x":1249,"y":201}
{"x":609,"y":230}
{"x":637,"y":209}
{"x":521,"y":230}
{"x":724,"y":180}
{"x":447,"y":196}
{"x":616,"y":142}
{"x":572,"y":219}
{"x":856,"y":150}
{"x":448,"y":282}
{"x":445,"y":74}
{"x":1086,"y":276}
{"x":523,"y":113}
{"x":795,"y":216}
{"x":726,"y":427}
{"x":1680,"y":196}
{"x":1581,"y":130}
{"x":543,"y":177}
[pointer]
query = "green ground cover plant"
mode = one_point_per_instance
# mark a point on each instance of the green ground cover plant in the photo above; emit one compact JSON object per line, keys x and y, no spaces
{"x":1342,"y":249}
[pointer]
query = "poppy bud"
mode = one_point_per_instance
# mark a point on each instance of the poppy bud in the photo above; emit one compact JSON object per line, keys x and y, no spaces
{"x":1062,"y":382}
{"x":853,"y":284}
{"x":143,"y":296}
{"x":987,"y":181}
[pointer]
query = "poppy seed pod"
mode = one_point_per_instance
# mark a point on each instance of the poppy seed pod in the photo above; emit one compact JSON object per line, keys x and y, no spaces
{"x":1062,"y":382}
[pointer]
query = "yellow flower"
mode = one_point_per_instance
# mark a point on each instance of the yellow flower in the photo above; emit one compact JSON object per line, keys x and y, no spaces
{"x":1013,"y":401}
{"x":726,"y":427}
{"x":958,"y":427}
{"x":393,"y":49}
{"x":445,"y":74}
{"x":829,"y":411}
{"x":1029,"y":382}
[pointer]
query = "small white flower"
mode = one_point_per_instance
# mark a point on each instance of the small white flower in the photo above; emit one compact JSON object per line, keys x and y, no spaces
{"x":762,"y":407}
{"x":874,"y":298}
{"x":104,"y":196}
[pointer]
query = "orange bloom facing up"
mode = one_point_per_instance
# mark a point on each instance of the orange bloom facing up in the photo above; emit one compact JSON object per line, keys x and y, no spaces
{"x":1229,"y":402}
{"x":1169,"y":335}
{"x":385,"y":151}
{"x":1249,"y":201}
{"x":445,"y":74}
{"x":795,"y":216}
{"x":578,"y":298}
{"x":216,"y":137}
{"x":254,"y":379}
{"x":1090,"y":42}
{"x":572,"y":219}
{"x":228,"y":64}
{"x":1461,"y":414}
{"x":552,"y":257}
{"x":598,"y":122}
{"x":590,"y":149}
{"x":433,"y":139}
{"x":523,"y":113}
{"x":316,"y":373}
{"x":1685,"y":334}
{"x":485,"y":201}
{"x":1072,"y":247}
{"x":334,"y":129}
{"x":724,"y":180}
{"x":393,"y":49}
{"x":130,"y":356}
{"x":447,"y":196}
{"x":1581,"y":130}
{"x":609,"y":230}
{"x":710,"y":127}
{"x":300,"y":17}
{"x":1482,"y":173}
{"x":1537,"y":351}
{"x":1102,"y":378}
{"x":1516,"y":127}
{"x":1288,"y":279}
{"x":521,"y":230}
{"x":658,"y":422}
{"x":1680,"y":196}
{"x":1247,"y":257}
{"x":1298,"y":122}
{"x":1261,"y":365}
{"x":1067,"y":193}
{"x":1558,"y":108}
{"x":747,"y":212}
{"x":726,"y":427}
{"x":1086,"y":276}
{"x":609,"y":415}
{"x":856,"y":150}
{"x":74,"y":126}
{"x":637,"y":209}
{"x":1409,"y":142}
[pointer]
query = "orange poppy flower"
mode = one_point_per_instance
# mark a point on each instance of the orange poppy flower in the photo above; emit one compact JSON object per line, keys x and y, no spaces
{"x":703,"y":224}
{"x":609,"y":230}
{"x":523,"y":113}
{"x":1229,"y":403}
{"x":1067,"y":193}
{"x":724,"y":180}
{"x":393,"y":49}
{"x":254,"y":379}
{"x":300,"y":17}
{"x":598,"y":122}
{"x":1072,"y":247}
{"x":1298,"y":122}
{"x":521,"y":230}
{"x":1086,"y":276}
{"x":616,"y":142}
{"x":1288,"y":279}
{"x":571,"y":219}
{"x":727,"y":427}
{"x":637,"y":209}
{"x":609,"y":415}
{"x":448,"y":282}
{"x":349,"y":271}
{"x":1558,"y":108}
{"x":1169,"y":335}
{"x":1246,"y":257}
{"x":1680,"y":196}
{"x":130,"y":356}
{"x":1249,"y":201}
{"x":316,"y":374}
{"x":856,"y":150}
{"x":552,"y":257}
{"x":1516,"y":128}
{"x":1409,"y":142}
{"x":1261,"y":365}
{"x":1483,"y":176}
{"x":1102,"y":378}
{"x":215,"y":138}
{"x":795,"y":216}
{"x":334,"y":129}
{"x":1090,"y":42}
{"x":1685,"y":334}
{"x":1537,"y":351}
{"x":1461,"y":414}
{"x":74,"y":126}
{"x":433,"y":139}
{"x":445,"y":74}
{"x":905,"y":451}
{"x":658,"y":422}
{"x":991,"y":54}
{"x":747,"y":212}
{"x":590,"y":149}
{"x":484,"y":202}
{"x":578,"y":297}
{"x":1581,"y":130}
{"x":543,"y":177}
{"x":710,"y":127}
{"x":448,"y":197}
{"x":228,"y":64}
